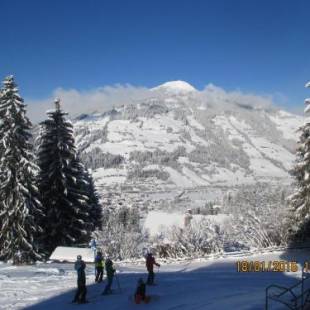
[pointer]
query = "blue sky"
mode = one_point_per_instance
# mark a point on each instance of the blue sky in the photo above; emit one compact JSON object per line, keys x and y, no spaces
{"x":255,"y":46}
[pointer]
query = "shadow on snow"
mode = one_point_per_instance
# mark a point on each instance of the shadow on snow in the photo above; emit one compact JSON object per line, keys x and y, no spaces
{"x":215,"y":286}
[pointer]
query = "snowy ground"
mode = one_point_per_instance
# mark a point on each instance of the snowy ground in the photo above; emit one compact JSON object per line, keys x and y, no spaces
{"x":159,"y":221}
{"x":207,"y":284}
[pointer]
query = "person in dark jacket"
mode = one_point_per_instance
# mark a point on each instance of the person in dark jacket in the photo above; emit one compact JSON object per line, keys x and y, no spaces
{"x":110,"y":274}
{"x":140,"y":293}
{"x":150,"y":262}
{"x":99,"y":264}
{"x":80,"y":295}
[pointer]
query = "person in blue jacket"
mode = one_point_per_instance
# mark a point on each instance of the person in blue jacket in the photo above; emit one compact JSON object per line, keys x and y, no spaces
{"x":80,"y":295}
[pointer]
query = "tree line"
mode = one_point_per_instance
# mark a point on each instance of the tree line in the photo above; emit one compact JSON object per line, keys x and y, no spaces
{"x":47,"y":196}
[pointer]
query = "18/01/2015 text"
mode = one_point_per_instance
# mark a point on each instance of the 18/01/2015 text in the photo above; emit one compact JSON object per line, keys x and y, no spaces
{"x":269,"y":266}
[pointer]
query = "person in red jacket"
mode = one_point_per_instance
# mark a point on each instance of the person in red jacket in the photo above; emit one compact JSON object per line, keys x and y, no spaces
{"x":150,"y":262}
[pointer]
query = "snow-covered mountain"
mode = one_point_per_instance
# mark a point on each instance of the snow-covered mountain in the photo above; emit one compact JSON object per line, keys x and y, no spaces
{"x":180,"y":138}
{"x":175,"y":87}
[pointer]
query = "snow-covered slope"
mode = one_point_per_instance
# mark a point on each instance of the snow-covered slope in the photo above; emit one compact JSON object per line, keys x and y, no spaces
{"x":183,"y":138}
{"x":207,"y":284}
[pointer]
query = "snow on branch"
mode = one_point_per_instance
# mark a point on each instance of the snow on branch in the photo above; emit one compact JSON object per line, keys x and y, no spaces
{"x":307,"y":109}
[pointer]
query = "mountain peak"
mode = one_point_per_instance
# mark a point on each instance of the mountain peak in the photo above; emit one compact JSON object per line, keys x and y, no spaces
{"x":176,"y":87}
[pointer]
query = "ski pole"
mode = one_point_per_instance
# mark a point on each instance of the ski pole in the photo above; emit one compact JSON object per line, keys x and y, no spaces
{"x":117,"y":281}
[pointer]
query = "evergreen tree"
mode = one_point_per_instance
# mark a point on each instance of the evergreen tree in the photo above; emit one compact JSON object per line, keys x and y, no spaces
{"x":62,"y":184}
{"x":87,"y":187}
{"x":2,"y":116}
{"x":20,"y":207}
{"x":300,"y":200}
{"x":95,"y":209}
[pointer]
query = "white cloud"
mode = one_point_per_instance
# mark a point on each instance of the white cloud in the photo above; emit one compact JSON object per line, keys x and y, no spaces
{"x":76,"y":102}
{"x":217,"y":96}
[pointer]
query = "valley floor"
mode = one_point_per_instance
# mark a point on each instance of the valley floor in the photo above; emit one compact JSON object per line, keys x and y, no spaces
{"x":190,"y":285}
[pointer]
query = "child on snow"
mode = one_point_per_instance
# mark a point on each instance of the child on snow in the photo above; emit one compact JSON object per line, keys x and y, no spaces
{"x":140,"y":293}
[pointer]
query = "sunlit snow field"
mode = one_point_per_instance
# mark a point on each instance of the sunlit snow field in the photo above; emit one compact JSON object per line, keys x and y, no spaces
{"x":195,"y":284}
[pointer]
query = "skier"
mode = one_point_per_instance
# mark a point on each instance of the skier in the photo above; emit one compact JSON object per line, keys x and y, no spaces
{"x":140,"y":293}
{"x":93,"y":246}
{"x":110,"y":274}
{"x":80,"y":296}
{"x":150,"y":262}
{"x":99,"y":263}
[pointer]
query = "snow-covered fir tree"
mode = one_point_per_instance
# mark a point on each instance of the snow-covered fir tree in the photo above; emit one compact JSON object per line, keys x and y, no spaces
{"x":2,"y":116}
{"x":300,"y":200}
{"x":20,"y":206}
{"x":86,"y":185}
{"x":95,"y":209}
{"x":62,"y":184}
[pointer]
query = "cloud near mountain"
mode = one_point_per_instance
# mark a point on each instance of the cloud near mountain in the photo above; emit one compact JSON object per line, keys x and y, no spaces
{"x":101,"y":99}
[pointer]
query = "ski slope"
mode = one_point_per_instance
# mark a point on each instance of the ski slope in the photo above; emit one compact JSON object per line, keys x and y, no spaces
{"x":191,"y":285}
